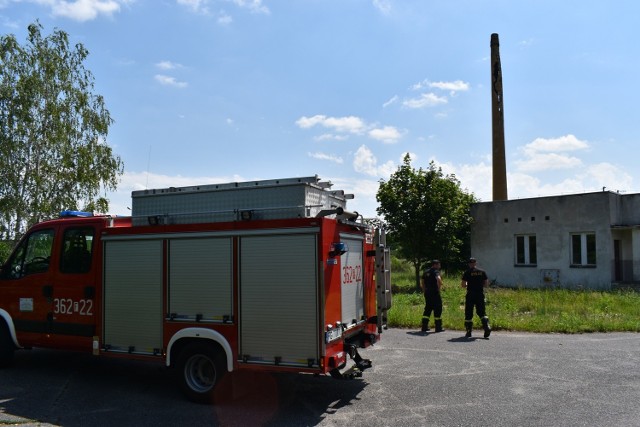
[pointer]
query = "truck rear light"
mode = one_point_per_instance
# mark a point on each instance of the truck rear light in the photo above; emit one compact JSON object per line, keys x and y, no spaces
{"x":96,"y":346}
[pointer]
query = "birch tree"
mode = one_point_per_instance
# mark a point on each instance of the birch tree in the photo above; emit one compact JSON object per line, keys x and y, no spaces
{"x":53,"y":129}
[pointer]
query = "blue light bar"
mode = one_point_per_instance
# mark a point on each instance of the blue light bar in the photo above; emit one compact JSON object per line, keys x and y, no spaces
{"x":72,"y":214}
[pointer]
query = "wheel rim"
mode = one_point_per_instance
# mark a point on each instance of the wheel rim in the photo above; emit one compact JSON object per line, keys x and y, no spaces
{"x":200,"y":373}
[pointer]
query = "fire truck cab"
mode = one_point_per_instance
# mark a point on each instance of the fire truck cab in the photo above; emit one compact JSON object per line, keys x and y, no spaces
{"x":210,"y":279}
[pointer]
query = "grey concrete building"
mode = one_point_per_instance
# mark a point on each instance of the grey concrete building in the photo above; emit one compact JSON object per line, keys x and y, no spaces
{"x":581,"y":241}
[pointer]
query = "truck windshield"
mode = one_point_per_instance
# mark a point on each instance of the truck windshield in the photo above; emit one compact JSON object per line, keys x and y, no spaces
{"x":31,"y":256}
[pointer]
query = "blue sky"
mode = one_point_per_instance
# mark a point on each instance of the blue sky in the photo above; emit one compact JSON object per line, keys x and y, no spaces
{"x":210,"y":91}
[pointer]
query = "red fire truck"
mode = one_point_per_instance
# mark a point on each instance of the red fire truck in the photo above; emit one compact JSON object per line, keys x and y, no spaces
{"x":272,"y":274}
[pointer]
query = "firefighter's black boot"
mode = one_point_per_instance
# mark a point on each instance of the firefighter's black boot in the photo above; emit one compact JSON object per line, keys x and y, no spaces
{"x":439,"y":325}
{"x":468,"y":325}
{"x":425,"y":324}
{"x":486,"y":327}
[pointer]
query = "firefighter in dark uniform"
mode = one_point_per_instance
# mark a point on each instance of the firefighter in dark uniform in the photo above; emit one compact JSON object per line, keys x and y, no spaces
{"x":431,"y":284}
{"x":475,"y":280}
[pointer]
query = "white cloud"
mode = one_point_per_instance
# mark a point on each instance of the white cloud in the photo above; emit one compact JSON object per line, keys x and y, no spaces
{"x":607,"y":175}
{"x":452,"y":87}
{"x":169,"y":81}
{"x":431,"y":99}
{"x":203,"y":7}
{"x":255,"y":6}
{"x":391,"y":101}
{"x":168,"y":65}
{"x":524,"y":186}
{"x":527,"y":42}
{"x":563,"y":143}
{"x":420,"y":85}
{"x":544,"y":154}
{"x":348,"y":124}
{"x":331,"y":137}
{"x":387,"y":134}
{"x":384,"y":6}
{"x":364,"y":191}
{"x":365,"y":162}
{"x":548,"y":161}
{"x":82,"y":10}
{"x":478,"y":178}
{"x":196,"y":6}
{"x":323,"y":156}
{"x":425,"y":100}
{"x":224,"y":19}
{"x":474,"y":178}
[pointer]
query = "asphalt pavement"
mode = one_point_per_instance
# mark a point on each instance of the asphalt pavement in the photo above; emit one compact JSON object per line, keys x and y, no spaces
{"x":444,"y":379}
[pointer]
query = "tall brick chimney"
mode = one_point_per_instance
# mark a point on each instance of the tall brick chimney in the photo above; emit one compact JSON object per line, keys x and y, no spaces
{"x":497,"y":115}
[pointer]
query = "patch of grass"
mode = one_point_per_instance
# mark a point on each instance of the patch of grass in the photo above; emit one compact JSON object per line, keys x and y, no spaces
{"x":531,"y":310}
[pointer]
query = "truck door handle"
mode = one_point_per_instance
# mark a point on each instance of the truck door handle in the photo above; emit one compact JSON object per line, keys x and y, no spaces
{"x":47,"y":291}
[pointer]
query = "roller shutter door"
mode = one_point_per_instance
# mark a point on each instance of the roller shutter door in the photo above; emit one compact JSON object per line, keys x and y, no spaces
{"x":133,"y":296}
{"x":352,"y":289}
{"x":278,"y":299}
{"x":200,"y":279}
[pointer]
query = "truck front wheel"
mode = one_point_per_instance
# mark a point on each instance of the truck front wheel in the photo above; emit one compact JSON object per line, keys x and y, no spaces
{"x":6,"y":346}
{"x":201,"y":366}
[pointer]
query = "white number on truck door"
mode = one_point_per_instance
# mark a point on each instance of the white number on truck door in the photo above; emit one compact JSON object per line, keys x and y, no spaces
{"x":351,"y":274}
{"x":83,"y":307}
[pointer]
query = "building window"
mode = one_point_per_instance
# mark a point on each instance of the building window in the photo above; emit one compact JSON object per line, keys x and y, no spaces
{"x":583,"y":249}
{"x":526,"y":253}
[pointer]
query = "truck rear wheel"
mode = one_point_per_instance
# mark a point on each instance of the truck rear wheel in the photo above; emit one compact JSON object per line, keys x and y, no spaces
{"x":6,"y":346}
{"x":201,"y":366}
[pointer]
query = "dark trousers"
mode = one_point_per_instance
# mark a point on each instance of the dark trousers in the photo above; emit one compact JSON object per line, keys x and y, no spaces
{"x":432,"y":302}
{"x":474,"y":299}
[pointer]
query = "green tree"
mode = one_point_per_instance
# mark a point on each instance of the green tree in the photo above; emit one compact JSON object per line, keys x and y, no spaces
{"x":427,"y":215}
{"x":53,"y":129}
{"x":5,"y":251}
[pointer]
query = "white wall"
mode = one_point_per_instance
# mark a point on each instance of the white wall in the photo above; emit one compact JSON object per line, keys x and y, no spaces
{"x":552,"y":220}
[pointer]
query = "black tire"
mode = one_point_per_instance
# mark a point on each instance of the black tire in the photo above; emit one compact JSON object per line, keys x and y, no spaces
{"x":201,"y":367}
{"x":7,"y":348}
